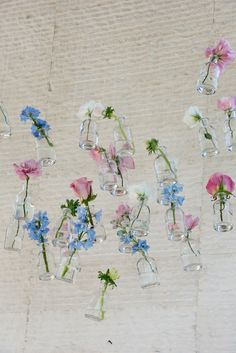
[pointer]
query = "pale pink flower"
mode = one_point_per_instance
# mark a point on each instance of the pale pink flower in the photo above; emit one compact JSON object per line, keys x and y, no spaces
{"x":226,"y":103}
{"x":222,"y":53}
{"x":82,"y":188}
{"x":96,"y":155}
{"x":173,"y":227}
{"x":219,"y":182}
{"x":127,"y":162}
{"x":122,"y":209}
{"x":27,"y":169}
{"x":112,"y":151}
{"x":191,"y":222}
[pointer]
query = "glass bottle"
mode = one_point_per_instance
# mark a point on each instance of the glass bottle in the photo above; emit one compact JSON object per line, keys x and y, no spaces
{"x":125,"y":248}
{"x":190,"y":254}
{"x":164,"y":166}
{"x":175,"y":225}
{"x":88,"y":139}
{"x":222,"y":214}
{"x":5,"y":129}
{"x":69,"y":266}
{"x":207,"y":139}
{"x":140,"y":220}
{"x":120,"y":188}
{"x":46,"y":263}
{"x":208,"y":80}
{"x":98,"y":305}
{"x":46,"y":154}
{"x":123,"y":138}
{"x":107,"y":175}
{"x":63,"y":229}
{"x":14,"y":235}
{"x":23,"y":208}
{"x":147,"y":270}
{"x":230,"y":130}
{"x":100,"y":233}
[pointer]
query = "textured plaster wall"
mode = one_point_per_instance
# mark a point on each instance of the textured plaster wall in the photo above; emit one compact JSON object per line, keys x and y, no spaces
{"x":142,"y":57}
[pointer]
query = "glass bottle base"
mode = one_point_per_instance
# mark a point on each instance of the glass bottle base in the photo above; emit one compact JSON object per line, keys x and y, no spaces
{"x":175,"y":236}
{"x":210,"y":152}
{"x":119,"y":191}
{"x":148,"y":280}
{"x":206,"y":89}
{"x":223,"y":227}
{"x":232,"y":148}
{"x":47,"y":162}
{"x":87,"y":145}
{"x":47,"y":276}
{"x":93,"y":316}
{"x":5,"y":134}
{"x":192,"y":267}
{"x":107,"y":186}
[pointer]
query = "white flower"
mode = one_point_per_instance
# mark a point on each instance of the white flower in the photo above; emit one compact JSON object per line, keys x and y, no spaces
{"x":113,"y":274}
{"x":192,"y":116}
{"x":139,"y":189}
{"x":92,"y":109}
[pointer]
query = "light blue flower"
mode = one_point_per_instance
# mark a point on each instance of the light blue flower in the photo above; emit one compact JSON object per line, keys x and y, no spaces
{"x":37,"y":227}
{"x":28,"y":112}
{"x":170,"y":194}
{"x":98,"y":216}
{"x":41,"y":129}
{"x":82,"y":214}
{"x":80,"y":228}
{"x":141,"y":245}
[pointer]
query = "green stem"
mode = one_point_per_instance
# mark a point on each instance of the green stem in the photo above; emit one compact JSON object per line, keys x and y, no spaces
{"x":207,"y":73}
{"x":146,"y":258}
{"x":222,"y":206}
{"x":190,"y":245}
{"x":102,"y":312}
{"x":173,"y":211}
{"x":167,"y":161}
{"x":89,"y":123}
{"x":89,"y":213}
{"x":141,"y":206}
{"x":207,"y":133}
{"x":61,"y":224}
{"x":26,"y":194}
{"x":230,"y":128}
{"x":123,"y":133}
{"x":4,"y":115}
{"x":44,"y":255}
{"x":120,"y":174}
{"x":42,"y":132}
{"x":17,"y":231}
{"x":66,"y":268}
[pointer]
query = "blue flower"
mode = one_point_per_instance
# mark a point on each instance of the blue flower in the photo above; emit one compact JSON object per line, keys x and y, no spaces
{"x":80,"y":227}
{"x":98,"y":216}
{"x":37,"y":227}
{"x":40,"y":127}
{"x":84,"y":244}
{"x":170,"y":194}
{"x":82,"y":214}
{"x":140,"y":245}
{"x":27,"y":112}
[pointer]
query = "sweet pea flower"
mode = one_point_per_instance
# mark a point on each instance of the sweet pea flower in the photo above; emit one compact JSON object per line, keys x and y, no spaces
{"x":220,"y":183}
{"x":220,"y":55}
{"x":96,"y":155}
{"x":82,"y":188}
{"x":27,"y":169}
{"x":112,"y":151}
{"x":122,"y":209}
{"x":191,"y":222}
{"x":226,"y":103}
{"x":127,"y":162}
{"x":92,"y":109}
{"x":192,"y":116}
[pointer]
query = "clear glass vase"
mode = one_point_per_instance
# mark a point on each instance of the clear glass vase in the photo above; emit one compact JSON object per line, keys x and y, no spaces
{"x":5,"y":129}
{"x":46,"y":263}
{"x":207,"y":139}
{"x":100,"y":233}
{"x":69,"y":266}
{"x":98,"y":305}
{"x":62,"y":230}
{"x":147,"y":270}
{"x":230,"y":131}
{"x":190,"y":254}
{"x":107,"y":175}
{"x":222,"y":214}
{"x":23,"y":207}
{"x":164,"y":166}
{"x":140,"y":220}
{"x":123,"y":138}
{"x":120,"y":188}
{"x":125,"y":248}
{"x":208,"y":79}
{"x":46,"y":154}
{"x":175,"y":225}
{"x":88,"y":139}
{"x":14,"y":235}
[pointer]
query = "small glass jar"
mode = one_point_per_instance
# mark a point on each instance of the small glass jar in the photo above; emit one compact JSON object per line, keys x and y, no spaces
{"x":223,"y":214}
{"x":190,"y":254}
{"x":98,"y":305}
{"x":14,"y":235}
{"x":46,"y":264}
{"x":123,"y":138}
{"x":5,"y":130}
{"x":140,"y":220}
{"x":208,"y":80}
{"x":164,"y":166}
{"x":88,"y":139}
{"x":207,"y":139}
{"x":62,"y":230}
{"x":107,"y":175}
{"x":100,"y":233}
{"x":69,"y":266}
{"x":230,"y":130}
{"x":23,"y":208}
{"x":120,"y":188}
{"x":46,"y":154}
{"x":175,"y":225}
{"x":147,"y":270}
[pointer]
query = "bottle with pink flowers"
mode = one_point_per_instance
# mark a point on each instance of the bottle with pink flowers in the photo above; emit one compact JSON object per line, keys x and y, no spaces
{"x":218,"y":58}
{"x":221,"y":187}
{"x":228,"y":105}
{"x":190,"y":254}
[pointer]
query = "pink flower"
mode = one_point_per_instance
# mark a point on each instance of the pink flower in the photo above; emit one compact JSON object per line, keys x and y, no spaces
{"x":96,"y":155}
{"x":122,"y":209}
{"x":27,"y":169}
{"x":112,"y":151}
{"x":191,"y":222}
{"x":219,"y":182}
{"x":82,"y":188}
{"x":127,"y":162}
{"x":226,"y":103}
{"x":223,"y":54}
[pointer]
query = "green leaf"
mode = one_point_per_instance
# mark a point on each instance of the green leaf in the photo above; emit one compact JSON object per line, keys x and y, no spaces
{"x":208,"y":136}
{"x":72,"y":205}
{"x":108,"y":113}
{"x":152,"y":145}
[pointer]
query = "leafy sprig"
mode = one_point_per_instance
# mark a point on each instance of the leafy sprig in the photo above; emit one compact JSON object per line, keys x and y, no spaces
{"x":72,"y":205}
{"x":152,"y":146}
{"x":108,"y":277}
